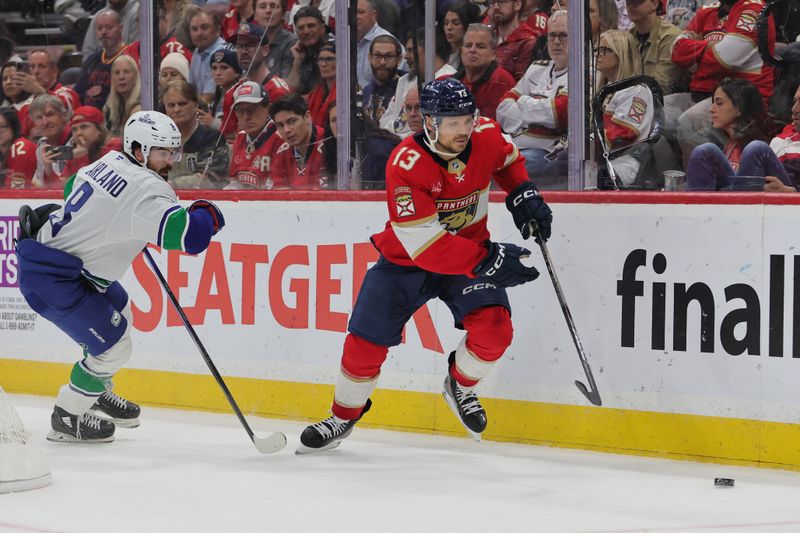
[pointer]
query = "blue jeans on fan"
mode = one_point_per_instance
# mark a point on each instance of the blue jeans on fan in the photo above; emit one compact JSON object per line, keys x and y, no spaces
{"x":546,"y":174}
{"x":710,"y":170}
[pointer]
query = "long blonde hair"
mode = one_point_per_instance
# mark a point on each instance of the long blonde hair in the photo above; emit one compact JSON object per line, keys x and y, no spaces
{"x":626,"y":48}
{"x":117,"y":108}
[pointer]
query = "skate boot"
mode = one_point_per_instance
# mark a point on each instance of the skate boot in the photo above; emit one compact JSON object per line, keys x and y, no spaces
{"x":122,"y":412}
{"x":84,"y":428}
{"x":328,"y":434}
{"x":466,"y":406}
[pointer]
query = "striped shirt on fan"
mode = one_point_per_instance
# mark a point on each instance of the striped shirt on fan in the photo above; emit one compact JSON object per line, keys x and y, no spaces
{"x":786,"y":146}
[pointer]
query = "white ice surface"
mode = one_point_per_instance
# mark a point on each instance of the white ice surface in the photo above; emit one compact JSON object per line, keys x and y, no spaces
{"x":198,"y":472}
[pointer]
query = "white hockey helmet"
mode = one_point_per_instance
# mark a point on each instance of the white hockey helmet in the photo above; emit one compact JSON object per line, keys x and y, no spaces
{"x":150,"y":129}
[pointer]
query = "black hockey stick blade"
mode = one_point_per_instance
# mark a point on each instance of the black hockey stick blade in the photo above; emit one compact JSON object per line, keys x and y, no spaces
{"x":592,"y":395}
{"x":271,"y":444}
{"x":591,"y":392}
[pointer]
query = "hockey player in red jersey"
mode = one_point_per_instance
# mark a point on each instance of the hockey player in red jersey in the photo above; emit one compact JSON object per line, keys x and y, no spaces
{"x":436,"y":244}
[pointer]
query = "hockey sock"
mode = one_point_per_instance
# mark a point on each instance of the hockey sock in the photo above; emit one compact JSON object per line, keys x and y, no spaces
{"x":83,"y":389}
{"x":90,"y":377}
{"x":358,"y":376}
{"x":489,"y":333}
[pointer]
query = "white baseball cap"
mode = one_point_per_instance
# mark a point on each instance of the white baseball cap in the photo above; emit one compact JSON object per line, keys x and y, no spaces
{"x":249,"y":92}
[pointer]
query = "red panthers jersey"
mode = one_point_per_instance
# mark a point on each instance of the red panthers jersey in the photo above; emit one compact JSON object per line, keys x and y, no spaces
{"x":251,"y":161}
{"x":24,"y":115}
{"x":438,"y":208}
{"x":276,"y":88}
{"x":289,"y":171}
{"x":21,"y":164}
{"x":67,"y":95}
{"x":230,"y":24}
{"x":74,"y":165}
{"x":168,"y":46}
{"x":734,"y":52}
{"x":174,"y":46}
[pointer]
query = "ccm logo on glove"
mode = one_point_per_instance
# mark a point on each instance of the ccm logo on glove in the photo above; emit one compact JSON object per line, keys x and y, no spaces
{"x":532,"y":216}
{"x":503,"y":266}
{"x":530,"y":193}
{"x":498,"y":261}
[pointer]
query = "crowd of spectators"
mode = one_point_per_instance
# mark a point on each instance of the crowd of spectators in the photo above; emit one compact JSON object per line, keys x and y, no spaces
{"x":251,"y":85}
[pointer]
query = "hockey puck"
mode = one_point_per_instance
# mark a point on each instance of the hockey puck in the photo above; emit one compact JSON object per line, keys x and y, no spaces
{"x":723,"y":482}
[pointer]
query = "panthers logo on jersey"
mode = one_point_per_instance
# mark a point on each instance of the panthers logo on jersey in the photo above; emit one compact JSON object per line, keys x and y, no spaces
{"x":458,"y":213}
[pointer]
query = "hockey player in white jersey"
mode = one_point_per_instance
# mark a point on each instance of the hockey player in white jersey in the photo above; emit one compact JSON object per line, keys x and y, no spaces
{"x":72,"y":256}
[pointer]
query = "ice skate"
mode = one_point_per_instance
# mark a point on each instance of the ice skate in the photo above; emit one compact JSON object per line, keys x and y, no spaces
{"x":124,"y":413}
{"x":86,"y":428}
{"x":466,"y":406}
{"x":328,"y":434}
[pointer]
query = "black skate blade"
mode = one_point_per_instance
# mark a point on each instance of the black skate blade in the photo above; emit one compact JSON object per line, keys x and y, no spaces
{"x":57,"y":436}
{"x":305,"y":450}
{"x":453,"y":407}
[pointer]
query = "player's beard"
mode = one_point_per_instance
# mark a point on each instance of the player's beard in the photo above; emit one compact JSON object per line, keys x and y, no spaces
{"x":165,"y":170}
{"x":455,"y":147}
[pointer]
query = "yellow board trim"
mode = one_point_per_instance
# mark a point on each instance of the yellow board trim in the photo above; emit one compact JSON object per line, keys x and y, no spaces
{"x":675,"y":436}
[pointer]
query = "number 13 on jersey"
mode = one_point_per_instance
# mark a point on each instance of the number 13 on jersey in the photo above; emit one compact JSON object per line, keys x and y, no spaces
{"x":406,"y":158}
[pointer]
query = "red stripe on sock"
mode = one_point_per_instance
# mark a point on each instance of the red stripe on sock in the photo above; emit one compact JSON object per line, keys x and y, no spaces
{"x":461,"y":379}
{"x":346,"y":413}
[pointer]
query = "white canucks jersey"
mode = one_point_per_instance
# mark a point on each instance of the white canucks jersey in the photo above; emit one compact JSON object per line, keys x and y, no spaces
{"x":535,"y":110}
{"x":112,"y":210}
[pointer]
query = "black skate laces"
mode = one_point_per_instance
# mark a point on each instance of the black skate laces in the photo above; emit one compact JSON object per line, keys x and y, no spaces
{"x":118,"y":401}
{"x":88,"y":420}
{"x":468,"y":400}
{"x":330,"y":427}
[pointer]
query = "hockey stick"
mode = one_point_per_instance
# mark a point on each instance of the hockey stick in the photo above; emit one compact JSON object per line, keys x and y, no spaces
{"x":270,"y":444}
{"x":591,"y":392}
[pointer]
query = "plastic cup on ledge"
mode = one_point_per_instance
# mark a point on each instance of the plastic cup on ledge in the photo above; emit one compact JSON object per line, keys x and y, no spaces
{"x":674,"y":181}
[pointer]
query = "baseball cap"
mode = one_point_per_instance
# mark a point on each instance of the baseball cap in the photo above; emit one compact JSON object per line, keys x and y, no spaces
{"x":248,"y":30}
{"x":87,"y":113}
{"x":249,"y":92}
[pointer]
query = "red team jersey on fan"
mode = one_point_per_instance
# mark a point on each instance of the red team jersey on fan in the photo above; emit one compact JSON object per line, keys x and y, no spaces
{"x":230,"y":24}
{"x":74,"y":165}
{"x":438,"y":208}
{"x":251,"y":161}
{"x":735,"y":53}
{"x":21,"y":164}
{"x":167,"y":47}
{"x":276,"y":88}
{"x":289,"y":173}
{"x":67,"y":95}
{"x":24,"y":116}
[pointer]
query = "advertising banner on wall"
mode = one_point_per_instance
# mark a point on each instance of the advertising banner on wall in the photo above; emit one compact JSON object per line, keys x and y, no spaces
{"x":685,"y":309}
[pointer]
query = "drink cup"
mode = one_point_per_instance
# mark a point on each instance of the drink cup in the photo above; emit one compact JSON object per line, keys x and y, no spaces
{"x":674,"y":180}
